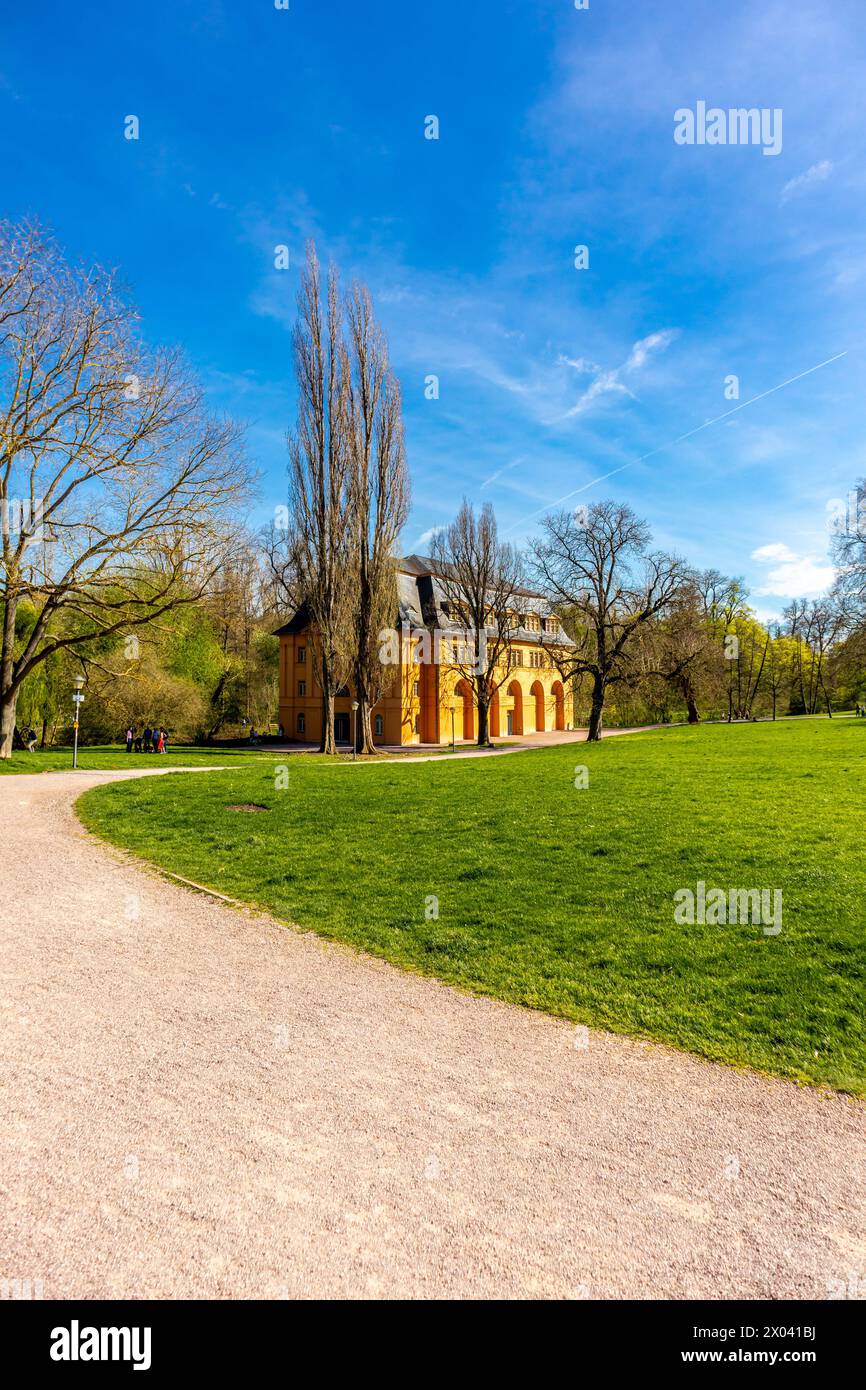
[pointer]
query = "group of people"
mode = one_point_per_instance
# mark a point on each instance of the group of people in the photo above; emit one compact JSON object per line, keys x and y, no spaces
{"x":149,"y":741}
{"x":861,"y":711}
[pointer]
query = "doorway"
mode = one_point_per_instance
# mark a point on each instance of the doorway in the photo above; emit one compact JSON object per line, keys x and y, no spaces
{"x":341,"y":728}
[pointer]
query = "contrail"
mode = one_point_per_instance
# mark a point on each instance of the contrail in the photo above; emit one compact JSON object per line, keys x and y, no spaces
{"x":679,"y":439}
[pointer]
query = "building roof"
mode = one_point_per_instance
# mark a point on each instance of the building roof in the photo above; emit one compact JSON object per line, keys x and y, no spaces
{"x":422,"y":565}
{"x":298,"y":623}
{"x":417,"y":574}
{"x":422,"y":601}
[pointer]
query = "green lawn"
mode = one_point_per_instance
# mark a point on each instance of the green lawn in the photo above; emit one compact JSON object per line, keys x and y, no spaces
{"x":111,"y":756}
{"x":561,"y":899}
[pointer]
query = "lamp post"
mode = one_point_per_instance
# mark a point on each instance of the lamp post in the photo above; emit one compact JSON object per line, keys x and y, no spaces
{"x":77,"y":700}
{"x":354,"y":730}
{"x":453,"y":740}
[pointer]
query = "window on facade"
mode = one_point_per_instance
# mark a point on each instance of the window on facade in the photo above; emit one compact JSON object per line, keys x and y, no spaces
{"x":416,"y":688}
{"x":518,"y":658}
{"x":302,"y":656}
{"x":302,"y":723}
{"x":380,"y":726}
{"x":302,"y":687}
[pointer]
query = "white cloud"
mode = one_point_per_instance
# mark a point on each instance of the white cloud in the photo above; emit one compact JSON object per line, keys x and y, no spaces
{"x":816,"y":174}
{"x":426,"y":537}
{"x":640,"y":353}
{"x":580,"y":364}
{"x":603,"y":385}
{"x":790,"y":575}
{"x":607,"y":383}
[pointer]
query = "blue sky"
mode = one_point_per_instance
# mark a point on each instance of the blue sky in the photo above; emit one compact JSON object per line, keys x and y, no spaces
{"x":261,"y":127}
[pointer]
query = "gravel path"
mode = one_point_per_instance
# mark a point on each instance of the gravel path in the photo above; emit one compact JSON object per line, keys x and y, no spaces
{"x":201,"y":1103}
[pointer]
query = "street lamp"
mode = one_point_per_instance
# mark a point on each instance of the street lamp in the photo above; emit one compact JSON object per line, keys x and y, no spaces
{"x":453,"y":741}
{"x":77,"y":700}
{"x":354,"y":730}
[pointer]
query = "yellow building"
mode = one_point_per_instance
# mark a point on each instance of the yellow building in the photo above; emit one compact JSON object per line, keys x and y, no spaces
{"x":429,"y":701}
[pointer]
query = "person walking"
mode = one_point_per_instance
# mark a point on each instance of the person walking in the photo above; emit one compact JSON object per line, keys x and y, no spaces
{"x":160,"y":741}
{"x":130,"y":738}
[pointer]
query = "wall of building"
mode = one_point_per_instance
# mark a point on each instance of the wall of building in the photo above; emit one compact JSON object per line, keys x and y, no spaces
{"x":419,"y":710}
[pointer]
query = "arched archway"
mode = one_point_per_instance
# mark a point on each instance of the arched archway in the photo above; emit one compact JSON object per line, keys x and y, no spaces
{"x":537,"y":692}
{"x":463,"y":696}
{"x":558,"y":694}
{"x":515,"y":714}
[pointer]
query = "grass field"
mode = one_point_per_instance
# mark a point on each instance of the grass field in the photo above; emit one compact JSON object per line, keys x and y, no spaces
{"x":562,"y":899}
{"x":113,"y":756}
{"x":60,"y":759}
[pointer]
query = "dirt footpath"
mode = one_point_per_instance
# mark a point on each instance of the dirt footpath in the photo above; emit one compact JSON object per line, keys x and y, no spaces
{"x":201,"y":1103}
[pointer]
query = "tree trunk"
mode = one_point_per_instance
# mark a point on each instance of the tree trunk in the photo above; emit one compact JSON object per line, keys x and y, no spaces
{"x":691,"y":700}
{"x":483,"y":725}
{"x":365,"y":726}
{"x":9,"y":696}
{"x":328,"y":742}
{"x":7,"y":723}
{"x":597,"y":711}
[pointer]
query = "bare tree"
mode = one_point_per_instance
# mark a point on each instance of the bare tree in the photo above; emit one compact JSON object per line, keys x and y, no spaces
{"x":753,"y":646}
{"x":816,"y":628}
{"x":320,"y":483}
{"x":379,"y":501}
{"x":480,"y":578}
{"x":725,"y":608}
{"x":281,"y":583}
{"x":677,"y":645}
{"x":849,"y":553}
{"x":116,"y":487}
{"x":777,"y":671}
{"x":596,"y":567}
